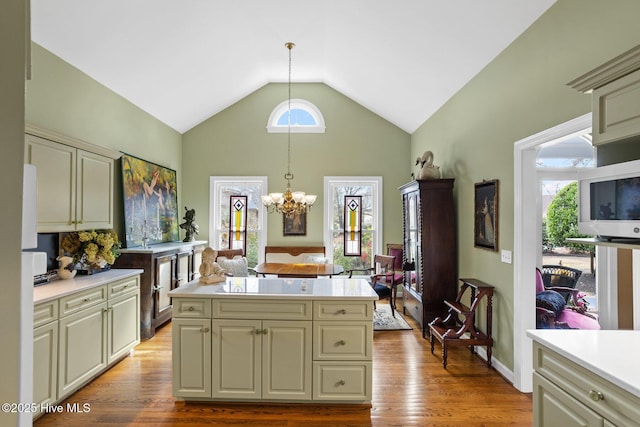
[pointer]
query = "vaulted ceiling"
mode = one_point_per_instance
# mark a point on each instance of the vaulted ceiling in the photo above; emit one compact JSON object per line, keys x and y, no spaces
{"x":183,"y":61}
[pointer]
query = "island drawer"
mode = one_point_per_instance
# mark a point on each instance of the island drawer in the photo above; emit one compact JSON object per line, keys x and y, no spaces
{"x":76,"y":302}
{"x":123,"y":287}
{"x":615,"y":404}
{"x":339,"y":311}
{"x":45,"y":313}
{"x":262,"y":309}
{"x":344,"y":341}
{"x":342,"y":381}
{"x":192,"y":307}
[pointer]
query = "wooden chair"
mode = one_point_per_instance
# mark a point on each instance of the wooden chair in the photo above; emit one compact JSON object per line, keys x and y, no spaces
{"x":386,"y":275}
{"x":555,"y":313}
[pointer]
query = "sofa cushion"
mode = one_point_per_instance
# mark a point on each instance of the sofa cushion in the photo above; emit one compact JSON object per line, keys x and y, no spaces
{"x":238,"y":266}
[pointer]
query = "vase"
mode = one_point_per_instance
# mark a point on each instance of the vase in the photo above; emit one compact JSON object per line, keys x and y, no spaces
{"x":63,"y":272}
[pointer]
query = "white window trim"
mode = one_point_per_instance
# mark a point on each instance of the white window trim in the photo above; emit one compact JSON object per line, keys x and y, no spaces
{"x":214,"y":204}
{"x":329,"y":182}
{"x":302,"y":104}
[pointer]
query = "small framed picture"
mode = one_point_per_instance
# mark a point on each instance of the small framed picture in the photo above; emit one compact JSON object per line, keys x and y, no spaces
{"x":486,"y":215}
{"x":295,"y":225}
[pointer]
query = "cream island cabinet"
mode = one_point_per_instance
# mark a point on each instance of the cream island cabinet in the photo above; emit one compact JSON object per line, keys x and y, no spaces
{"x":82,"y":327}
{"x":263,"y":339}
{"x":586,"y":378}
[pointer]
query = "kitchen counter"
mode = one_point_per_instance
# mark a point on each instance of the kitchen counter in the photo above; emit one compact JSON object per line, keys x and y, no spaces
{"x":612,"y":355}
{"x":274,"y":340}
{"x":61,"y":288}
{"x":271,"y":288}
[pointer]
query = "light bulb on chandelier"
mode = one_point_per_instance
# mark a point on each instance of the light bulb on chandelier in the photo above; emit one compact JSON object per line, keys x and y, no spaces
{"x":290,"y":202}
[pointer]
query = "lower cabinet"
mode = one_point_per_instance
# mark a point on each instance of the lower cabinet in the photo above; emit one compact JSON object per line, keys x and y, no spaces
{"x":567,"y":394}
{"x":78,"y":336}
{"x":272,"y":350}
{"x":45,"y":365}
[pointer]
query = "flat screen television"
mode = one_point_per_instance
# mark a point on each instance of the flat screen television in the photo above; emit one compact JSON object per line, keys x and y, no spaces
{"x":609,"y":202}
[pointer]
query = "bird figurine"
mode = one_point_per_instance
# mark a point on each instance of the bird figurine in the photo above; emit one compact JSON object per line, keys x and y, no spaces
{"x":427,"y":169}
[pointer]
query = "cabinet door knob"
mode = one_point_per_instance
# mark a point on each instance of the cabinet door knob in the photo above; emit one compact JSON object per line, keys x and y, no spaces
{"x":191,"y":308}
{"x":261,"y":332}
{"x":596,"y":395}
{"x":341,"y":342}
{"x":341,"y":382}
{"x":205,"y":330}
{"x":343,"y":311}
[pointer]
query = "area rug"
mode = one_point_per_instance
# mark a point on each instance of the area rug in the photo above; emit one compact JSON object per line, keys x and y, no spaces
{"x":383,"y":321}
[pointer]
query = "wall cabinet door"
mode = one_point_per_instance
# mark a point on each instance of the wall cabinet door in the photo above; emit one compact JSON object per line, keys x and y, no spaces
{"x":94,"y":203}
{"x":124,"y":325}
{"x":191,"y":352}
{"x":45,"y":365}
{"x":83,"y":343}
{"x":56,"y":182}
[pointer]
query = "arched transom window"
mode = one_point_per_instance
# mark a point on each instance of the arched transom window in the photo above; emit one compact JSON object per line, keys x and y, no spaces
{"x":305,"y":118}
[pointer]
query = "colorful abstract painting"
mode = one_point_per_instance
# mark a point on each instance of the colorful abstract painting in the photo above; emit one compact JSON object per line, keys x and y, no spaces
{"x":150,"y":195}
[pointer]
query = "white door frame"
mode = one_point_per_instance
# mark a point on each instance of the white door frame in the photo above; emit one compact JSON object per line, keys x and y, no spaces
{"x":527,"y":243}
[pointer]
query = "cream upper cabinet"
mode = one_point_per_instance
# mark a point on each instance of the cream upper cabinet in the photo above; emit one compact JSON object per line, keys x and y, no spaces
{"x":75,"y":185}
{"x":616,"y":110}
{"x":615,"y":88}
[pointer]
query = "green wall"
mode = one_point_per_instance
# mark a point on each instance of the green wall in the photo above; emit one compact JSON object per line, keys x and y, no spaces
{"x":522,"y":92}
{"x":63,"y":99}
{"x":356,"y":142}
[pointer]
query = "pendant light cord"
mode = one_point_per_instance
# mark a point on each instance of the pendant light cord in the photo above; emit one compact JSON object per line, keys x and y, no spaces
{"x":289,"y":175}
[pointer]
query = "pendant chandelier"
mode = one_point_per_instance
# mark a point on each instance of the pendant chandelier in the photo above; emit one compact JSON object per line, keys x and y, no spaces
{"x":290,"y":202}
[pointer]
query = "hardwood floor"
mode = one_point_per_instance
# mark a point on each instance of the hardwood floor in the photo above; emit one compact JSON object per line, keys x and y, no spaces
{"x":410,"y":388}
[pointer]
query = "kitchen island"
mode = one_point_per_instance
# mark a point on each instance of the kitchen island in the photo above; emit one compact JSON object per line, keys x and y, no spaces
{"x":586,"y":377}
{"x":277,"y":340}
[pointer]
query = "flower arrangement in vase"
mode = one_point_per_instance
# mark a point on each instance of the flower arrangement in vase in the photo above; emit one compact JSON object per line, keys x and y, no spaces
{"x":92,"y":250}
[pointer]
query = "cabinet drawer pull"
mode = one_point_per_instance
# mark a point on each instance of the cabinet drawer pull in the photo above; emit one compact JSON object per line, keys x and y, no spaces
{"x":106,"y":310}
{"x":341,"y":382}
{"x":341,"y":342}
{"x":596,"y":395}
{"x":86,"y":300}
{"x":343,"y":311}
{"x":191,"y":308}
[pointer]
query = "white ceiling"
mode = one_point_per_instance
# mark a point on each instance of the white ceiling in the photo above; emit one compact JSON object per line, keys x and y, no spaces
{"x":183,"y":61}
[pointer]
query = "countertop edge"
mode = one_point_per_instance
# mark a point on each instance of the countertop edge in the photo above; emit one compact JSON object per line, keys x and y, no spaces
{"x":62,"y":288}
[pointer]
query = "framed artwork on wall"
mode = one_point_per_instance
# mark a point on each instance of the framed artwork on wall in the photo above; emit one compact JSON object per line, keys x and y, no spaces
{"x":295,"y":225}
{"x":486,"y":215}
{"x":150,"y":202}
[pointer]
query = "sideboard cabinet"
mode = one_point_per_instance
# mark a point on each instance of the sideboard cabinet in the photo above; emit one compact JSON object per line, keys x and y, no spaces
{"x":166,"y":266}
{"x":429,"y":248}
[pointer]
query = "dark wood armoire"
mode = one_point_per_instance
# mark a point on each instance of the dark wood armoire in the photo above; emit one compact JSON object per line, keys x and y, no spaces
{"x":430,"y":248}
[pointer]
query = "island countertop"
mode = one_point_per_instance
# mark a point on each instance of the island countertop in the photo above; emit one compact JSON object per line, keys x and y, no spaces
{"x":611,"y":354}
{"x":277,"y":288}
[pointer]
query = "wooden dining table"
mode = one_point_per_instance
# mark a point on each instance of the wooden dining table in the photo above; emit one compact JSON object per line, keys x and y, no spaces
{"x":298,"y":270}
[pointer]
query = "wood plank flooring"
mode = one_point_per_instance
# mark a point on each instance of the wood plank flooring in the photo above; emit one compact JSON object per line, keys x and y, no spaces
{"x":410,"y":388}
